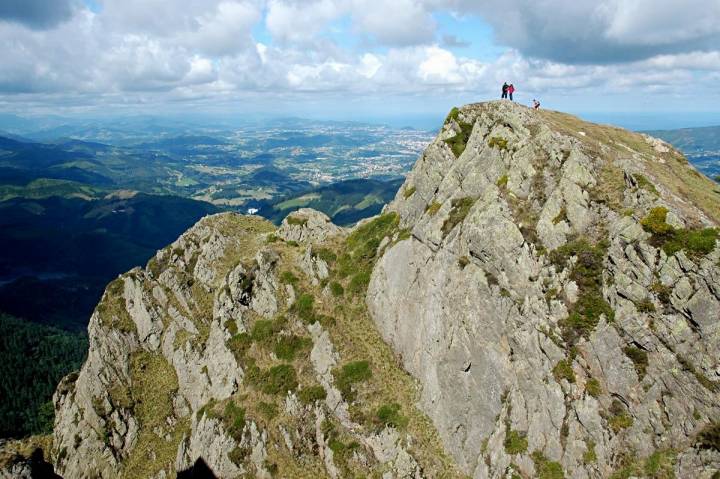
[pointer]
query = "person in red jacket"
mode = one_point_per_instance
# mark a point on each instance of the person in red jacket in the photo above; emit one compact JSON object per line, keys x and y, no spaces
{"x":510,"y":90}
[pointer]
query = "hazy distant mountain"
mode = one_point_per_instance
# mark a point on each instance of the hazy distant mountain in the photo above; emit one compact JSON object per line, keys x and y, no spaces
{"x":691,"y":140}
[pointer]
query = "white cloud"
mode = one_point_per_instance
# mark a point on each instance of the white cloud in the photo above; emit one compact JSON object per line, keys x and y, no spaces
{"x":166,"y":50}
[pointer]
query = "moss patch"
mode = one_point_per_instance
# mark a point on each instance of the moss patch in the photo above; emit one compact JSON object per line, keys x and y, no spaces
{"x":460,"y":209}
{"x":433,"y":208}
{"x":349,"y":375}
{"x":498,"y":142}
{"x":389,"y":415}
{"x":563,"y":370}
{"x":409,"y":192}
{"x":154,"y":385}
{"x":639,"y":358}
{"x":515,"y":442}
{"x":545,"y":468}
{"x":587,"y":274}
{"x":695,"y":242}
{"x":458,"y":143}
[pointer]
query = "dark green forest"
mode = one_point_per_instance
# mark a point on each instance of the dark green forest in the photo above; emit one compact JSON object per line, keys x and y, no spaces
{"x":34,"y":359}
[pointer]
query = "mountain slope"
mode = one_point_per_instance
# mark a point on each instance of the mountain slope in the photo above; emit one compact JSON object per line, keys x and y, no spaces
{"x":566,"y":277}
{"x":551,"y":286}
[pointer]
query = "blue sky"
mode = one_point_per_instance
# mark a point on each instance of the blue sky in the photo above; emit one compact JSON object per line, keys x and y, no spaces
{"x":641,"y":61}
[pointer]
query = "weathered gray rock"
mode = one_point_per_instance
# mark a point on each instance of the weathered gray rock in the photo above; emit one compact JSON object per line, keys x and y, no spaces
{"x":308,"y":226}
{"x":471,"y":310}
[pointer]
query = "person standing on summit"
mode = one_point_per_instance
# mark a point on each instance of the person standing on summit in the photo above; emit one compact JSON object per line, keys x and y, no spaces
{"x":511,"y":90}
{"x":504,"y":90}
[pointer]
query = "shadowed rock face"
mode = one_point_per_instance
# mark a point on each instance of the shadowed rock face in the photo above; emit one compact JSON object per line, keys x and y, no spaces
{"x":546,"y":282}
{"x":478,"y":311}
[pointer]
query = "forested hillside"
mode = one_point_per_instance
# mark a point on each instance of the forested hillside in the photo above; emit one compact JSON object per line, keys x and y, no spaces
{"x":35,"y":358}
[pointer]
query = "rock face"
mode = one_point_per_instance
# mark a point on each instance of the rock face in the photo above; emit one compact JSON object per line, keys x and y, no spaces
{"x":219,"y":352}
{"x":551,"y":287}
{"x":546,"y":326}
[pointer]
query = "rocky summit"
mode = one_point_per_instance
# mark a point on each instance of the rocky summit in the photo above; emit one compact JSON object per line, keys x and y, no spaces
{"x":541,"y":299}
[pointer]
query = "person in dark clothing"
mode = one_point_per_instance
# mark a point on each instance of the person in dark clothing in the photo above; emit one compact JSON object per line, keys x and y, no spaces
{"x":504,"y":90}
{"x":511,"y":90}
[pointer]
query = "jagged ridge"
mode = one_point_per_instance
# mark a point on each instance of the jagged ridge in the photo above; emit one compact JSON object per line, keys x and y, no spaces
{"x":552,"y":285}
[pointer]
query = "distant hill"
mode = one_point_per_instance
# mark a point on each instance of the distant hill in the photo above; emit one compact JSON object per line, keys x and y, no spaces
{"x":691,"y":140}
{"x":345,"y":202}
{"x":57,"y":254}
{"x":700,"y":145}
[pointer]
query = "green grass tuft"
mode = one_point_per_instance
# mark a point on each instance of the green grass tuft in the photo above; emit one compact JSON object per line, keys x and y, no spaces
{"x":695,"y":242}
{"x":593,"y":387}
{"x":389,"y":415}
{"x":409,"y":192}
{"x":639,"y":358}
{"x":287,"y":347}
{"x":645,"y":184}
{"x":351,"y":374}
{"x":563,"y":370}
{"x":546,"y":469}
{"x":312,"y":394}
{"x":515,"y":442}
{"x":460,"y":209}
{"x":433,"y":208}
{"x":498,"y":142}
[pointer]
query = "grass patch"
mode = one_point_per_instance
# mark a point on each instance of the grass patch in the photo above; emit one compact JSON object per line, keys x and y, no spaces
{"x":460,"y":209}
{"x":279,"y":380}
{"x":337,"y":289}
{"x":587,"y":274}
{"x":593,"y":387}
{"x":269,"y":410}
{"x":563,"y":370}
{"x":645,"y":306}
{"x":349,"y":375}
{"x":234,"y":420}
{"x":389,"y":415}
{"x":433,"y":208}
{"x":663,"y":292}
{"x":288,"y":277}
{"x":619,"y":418}
{"x":112,"y":310}
{"x":645,"y":184}
{"x":639,"y":358}
{"x":661,"y":465}
{"x":409,"y":192}
{"x":545,"y":468}
{"x":502,"y":182}
{"x":695,"y":242}
{"x":561,"y":216}
{"x":305,"y":309}
{"x":498,"y":142}
{"x":458,"y":143}
{"x":287,"y":347}
{"x":325,"y":254}
{"x":515,"y":442}
{"x":154,"y":384}
{"x":359,"y":283}
{"x":589,"y":456}
{"x":312,"y":394}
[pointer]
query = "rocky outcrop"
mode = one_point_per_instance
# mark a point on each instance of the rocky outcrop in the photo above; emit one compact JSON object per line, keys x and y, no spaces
{"x":552,"y":288}
{"x":308,"y":226}
{"x":546,"y":326}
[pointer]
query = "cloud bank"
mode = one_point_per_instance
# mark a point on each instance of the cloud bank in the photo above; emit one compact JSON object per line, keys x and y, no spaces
{"x":67,"y":52}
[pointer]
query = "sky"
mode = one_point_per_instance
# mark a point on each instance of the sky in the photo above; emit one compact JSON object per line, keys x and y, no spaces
{"x":361,"y":59}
